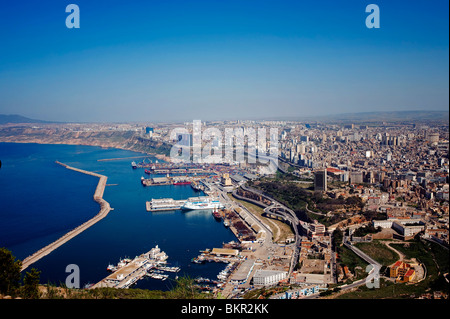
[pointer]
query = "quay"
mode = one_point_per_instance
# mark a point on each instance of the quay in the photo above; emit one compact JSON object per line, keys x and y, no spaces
{"x":164,"y":204}
{"x":105,"y":208}
{"x":125,"y":276}
{"x":173,"y":180}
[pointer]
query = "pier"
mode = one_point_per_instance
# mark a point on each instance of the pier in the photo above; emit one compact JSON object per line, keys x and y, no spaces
{"x":194,"y":181}
{"x":126,"y":275}
{"x":105,"y":208}
{"x":164,"y":204}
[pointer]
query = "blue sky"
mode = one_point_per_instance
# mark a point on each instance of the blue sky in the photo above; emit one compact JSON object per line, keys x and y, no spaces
{"x":182,"y":60}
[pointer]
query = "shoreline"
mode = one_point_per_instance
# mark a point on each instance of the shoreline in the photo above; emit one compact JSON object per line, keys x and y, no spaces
{"x":156,"y":155}
{"x":105,"y":208}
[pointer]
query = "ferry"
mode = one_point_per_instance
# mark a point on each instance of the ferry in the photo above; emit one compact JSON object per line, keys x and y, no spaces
{"x":155,"y":254}
{"x":133,"y":164}
{"x":202,"y":202}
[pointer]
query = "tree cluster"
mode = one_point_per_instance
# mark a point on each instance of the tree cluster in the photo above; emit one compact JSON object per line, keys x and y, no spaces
{"x":10,"y":277}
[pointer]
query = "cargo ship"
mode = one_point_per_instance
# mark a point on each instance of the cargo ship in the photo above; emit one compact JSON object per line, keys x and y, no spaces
{"x":182,"y":183}
{"x":197,"y":186}
{"x":202,"y":202}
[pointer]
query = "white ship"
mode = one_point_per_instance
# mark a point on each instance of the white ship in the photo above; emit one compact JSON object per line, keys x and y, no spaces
{"x":157,"y":255}
{"x":202,"y":202}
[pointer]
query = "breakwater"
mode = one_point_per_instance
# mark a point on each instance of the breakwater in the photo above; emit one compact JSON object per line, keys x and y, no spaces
{"x":105,"y":208}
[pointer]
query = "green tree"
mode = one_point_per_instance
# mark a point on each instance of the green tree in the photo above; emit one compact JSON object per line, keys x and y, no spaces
{"x":9,"y":272}
{"x":30,"y":287}
{"x":185,"y":289}
{"x":338,"y":236}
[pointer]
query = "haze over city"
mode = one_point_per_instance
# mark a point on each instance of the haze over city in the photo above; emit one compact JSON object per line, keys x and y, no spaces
{"x":182,"y":60}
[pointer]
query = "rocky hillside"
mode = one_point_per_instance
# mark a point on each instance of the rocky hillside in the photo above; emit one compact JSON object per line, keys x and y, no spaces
{"x":127,"y":140}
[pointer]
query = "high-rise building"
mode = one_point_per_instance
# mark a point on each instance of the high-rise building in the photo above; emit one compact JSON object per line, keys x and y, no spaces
{"x":226,"y":180}
{"x":304,"y":138}
{"x":320,"y":180}
{"x":432,"y":137}
{"x":356,"y":177}
{"x":388,"y":157}
{"x":149,"y":131}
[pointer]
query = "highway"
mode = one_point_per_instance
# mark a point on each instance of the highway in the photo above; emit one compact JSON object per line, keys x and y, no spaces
{"x":279,"y":210}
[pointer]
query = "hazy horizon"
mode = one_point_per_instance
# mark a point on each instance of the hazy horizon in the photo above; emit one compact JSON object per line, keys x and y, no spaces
{"x":181,"y":60}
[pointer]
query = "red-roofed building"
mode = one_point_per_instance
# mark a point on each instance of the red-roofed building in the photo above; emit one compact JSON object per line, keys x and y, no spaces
{"x":402,"y":272}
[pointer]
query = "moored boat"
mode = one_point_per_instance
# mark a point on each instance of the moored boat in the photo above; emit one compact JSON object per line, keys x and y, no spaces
{"x":182,"y":183}
{"x":203,"y":202}
{"x":217,"y":215}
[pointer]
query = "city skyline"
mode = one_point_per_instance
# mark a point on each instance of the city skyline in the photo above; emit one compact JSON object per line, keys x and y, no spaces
{"x":177,"y":61}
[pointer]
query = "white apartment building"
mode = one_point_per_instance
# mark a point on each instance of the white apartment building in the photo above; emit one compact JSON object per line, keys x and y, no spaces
{"x":268,"y":277}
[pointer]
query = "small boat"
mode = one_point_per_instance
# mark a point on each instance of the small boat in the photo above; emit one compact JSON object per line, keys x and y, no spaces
{"x":217,"y":215}
{"x":111,"y":268}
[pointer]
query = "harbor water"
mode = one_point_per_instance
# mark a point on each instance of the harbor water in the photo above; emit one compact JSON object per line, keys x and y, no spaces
{"x":40,"y":201}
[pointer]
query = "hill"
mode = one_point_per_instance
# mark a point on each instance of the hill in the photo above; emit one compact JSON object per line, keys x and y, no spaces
{"x":15,"y":118}
{"x":393,"y":116}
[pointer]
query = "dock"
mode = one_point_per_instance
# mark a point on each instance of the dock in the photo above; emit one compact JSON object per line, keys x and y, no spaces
{"x":105,"y":208}
{"x":174,"y":180}
{"x":126,"y":275}
{"x":164,"y":204}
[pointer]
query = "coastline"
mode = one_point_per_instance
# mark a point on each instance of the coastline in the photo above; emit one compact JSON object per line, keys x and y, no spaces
{"x":105,"y":208}
{"x":27,"y":138}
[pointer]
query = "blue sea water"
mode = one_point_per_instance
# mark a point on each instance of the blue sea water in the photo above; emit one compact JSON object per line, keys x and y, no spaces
{"x":40,"y":201}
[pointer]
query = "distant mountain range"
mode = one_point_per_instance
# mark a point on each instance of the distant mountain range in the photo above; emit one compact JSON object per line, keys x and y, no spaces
{"x":14,"y":118}
{"x":372,"y":117}
{"x":368,"y":117}
{"x":392,"y":116}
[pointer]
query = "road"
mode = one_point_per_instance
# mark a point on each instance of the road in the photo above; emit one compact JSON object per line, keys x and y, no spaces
{"x":361,"y":254}
{"x":285,"y":213}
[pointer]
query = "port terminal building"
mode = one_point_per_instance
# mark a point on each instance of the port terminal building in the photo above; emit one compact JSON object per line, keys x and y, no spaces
{"x":225,"y":252}
{"x":268,"y":277}
{"x":243,"y":272}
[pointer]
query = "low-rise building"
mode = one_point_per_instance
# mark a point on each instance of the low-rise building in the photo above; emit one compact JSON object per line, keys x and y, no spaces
{"x":402,"y":271}
{"x":242,"y":273}
{"x":408,"y":229}
{"x":268,"y":277}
